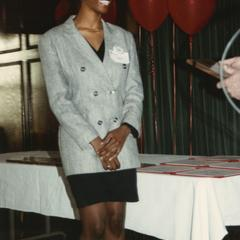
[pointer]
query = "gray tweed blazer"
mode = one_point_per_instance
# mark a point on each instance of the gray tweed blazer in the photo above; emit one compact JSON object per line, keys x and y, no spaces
{"x":89,"y":97}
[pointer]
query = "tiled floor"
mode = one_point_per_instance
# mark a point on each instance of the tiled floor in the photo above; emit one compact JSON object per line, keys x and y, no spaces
{"x":33,"y":224}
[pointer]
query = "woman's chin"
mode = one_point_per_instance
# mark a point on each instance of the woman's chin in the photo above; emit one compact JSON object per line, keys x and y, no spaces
{"x":104,"y":5}
{"x":103,"y":9}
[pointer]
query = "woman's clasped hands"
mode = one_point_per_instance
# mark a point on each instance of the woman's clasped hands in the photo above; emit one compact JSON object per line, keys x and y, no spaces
{"x":108,"y":148}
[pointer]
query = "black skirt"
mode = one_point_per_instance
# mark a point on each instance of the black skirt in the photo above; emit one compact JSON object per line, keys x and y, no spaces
{"x":116,"y":186}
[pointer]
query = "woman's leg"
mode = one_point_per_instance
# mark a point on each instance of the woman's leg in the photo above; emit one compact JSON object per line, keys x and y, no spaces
{"x":93,"y":219}
{"x":115,"y":221}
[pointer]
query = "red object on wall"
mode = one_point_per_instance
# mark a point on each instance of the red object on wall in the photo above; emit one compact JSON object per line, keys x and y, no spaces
{"x":62,"y":11}
{"x":149,"y":13}
{"x":191,"y":15}
{"x":111,"y":15}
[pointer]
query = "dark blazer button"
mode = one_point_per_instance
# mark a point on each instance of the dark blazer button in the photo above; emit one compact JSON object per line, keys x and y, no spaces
{"x":115,"y":119}
{"x":124,"y":66}
{"x":95,"y":93}
{"x":83,"y":69}
{"x":100,"y":122}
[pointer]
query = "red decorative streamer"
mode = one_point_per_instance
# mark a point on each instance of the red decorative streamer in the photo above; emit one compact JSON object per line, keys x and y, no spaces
{"x":174,"y":92}
{"x":141,"y":140}
{"x":154,"y":88}
{"x":190,"y":97}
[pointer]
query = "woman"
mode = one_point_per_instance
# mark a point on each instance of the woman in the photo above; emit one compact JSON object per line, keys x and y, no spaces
{"x":94,"y":87}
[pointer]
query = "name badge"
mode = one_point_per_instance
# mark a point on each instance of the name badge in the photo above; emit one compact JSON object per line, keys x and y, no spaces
{"x":117,"y":54}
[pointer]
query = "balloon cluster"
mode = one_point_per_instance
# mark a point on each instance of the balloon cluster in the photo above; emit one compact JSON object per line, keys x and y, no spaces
{"x":190,"y":15}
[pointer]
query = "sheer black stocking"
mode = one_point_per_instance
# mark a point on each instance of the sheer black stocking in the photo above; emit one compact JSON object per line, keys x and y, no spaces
{"x":103,"y":221}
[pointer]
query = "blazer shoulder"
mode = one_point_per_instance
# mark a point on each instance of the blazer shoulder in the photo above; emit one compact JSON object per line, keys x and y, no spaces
{"x":119,"y":30}
{"x":52,"y":32}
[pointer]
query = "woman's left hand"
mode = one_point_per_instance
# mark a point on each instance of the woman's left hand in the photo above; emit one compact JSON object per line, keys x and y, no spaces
{"x":113,"y":143}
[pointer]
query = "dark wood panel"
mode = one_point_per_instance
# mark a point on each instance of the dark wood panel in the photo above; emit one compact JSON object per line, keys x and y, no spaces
{"x":27,"y":16}
{"x":26,"y":122}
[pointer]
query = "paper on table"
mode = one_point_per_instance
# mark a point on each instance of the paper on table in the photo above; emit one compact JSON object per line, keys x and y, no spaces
{"x":190,"y":162}
{"x":20,"y":157}
{"x":224,"y":157}
{"x":226,"y":164}
{"x":36,"y":160}
{"x":210,"y":172}
{"x":212,"y":159}
{"x":165,"y":169}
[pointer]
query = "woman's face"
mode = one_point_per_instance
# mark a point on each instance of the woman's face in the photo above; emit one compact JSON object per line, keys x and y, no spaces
{"x":99,"y":6}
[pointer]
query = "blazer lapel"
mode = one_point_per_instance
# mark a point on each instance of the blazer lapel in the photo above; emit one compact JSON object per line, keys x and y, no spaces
{"x":84,"y":47}
{"x":108,"y":38}
{"x":111,"y":40}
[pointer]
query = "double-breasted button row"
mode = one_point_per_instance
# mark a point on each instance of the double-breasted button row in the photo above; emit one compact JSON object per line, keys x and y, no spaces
{"x":100,"y":122}
{"x":96,"y":93}
{"x":83,"y":69}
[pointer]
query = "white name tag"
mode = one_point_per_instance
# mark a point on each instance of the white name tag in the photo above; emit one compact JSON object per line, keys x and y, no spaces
{"x":117,"y":54}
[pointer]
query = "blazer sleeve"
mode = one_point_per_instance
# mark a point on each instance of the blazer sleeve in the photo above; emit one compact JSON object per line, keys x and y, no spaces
{"x":132,"y":110}
{"x":58,"y":94}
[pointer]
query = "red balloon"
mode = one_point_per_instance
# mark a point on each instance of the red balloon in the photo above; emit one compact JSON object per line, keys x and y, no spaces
{"x":111,"y":15}
{"x":149,"y":13}
{"x":191,"y":15}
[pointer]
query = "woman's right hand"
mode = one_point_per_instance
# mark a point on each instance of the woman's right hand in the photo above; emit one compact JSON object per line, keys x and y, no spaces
{"x":231,"y":65}
{"x":98,"y":145}
{"x":232,"y":82}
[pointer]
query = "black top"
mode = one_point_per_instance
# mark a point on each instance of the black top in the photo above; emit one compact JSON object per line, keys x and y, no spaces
{"x":100,"y":53}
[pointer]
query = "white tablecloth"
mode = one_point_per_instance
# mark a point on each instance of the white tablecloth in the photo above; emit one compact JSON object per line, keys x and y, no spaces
{"x":170,"y":207}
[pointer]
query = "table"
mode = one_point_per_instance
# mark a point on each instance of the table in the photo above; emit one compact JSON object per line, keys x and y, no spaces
{"x":170,"y":207}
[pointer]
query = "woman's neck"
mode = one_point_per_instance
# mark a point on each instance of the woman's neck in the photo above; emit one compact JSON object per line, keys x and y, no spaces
{"x":86,"y":18}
